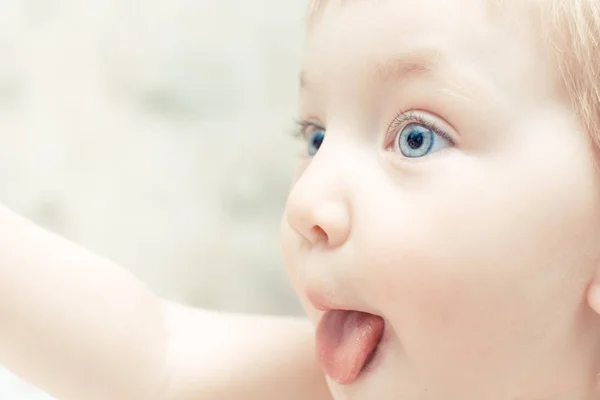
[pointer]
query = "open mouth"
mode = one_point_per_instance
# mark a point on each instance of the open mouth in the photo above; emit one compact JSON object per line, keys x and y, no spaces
{"x":346,"y":342}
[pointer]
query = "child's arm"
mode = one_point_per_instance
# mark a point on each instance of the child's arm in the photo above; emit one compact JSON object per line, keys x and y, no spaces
{"x":81,"y":328}
{"x":244,"y":357}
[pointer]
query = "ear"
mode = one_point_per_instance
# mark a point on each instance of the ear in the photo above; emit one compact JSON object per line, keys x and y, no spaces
{"x":593,"y":294}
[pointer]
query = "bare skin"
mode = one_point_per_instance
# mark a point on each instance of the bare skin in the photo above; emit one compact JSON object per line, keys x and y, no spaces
{"x":450,"y":189}
{"x":81,"y":328}
{"x":480,"y":253}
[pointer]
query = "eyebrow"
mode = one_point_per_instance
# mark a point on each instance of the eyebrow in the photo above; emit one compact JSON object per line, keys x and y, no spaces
{"x":406,"y":65}
{"x":401,"y":66}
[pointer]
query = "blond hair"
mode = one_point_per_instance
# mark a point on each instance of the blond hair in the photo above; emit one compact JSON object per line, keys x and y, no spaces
{"x":571,"y":30}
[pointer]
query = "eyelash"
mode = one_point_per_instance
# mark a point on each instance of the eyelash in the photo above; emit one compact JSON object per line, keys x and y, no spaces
{"x":302,"y":126}
{"x":401,"y":119}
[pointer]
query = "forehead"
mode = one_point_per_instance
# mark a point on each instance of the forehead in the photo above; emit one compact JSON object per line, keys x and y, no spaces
{"x":318,"y":6}
{"x":350,"y":38}
{"x":387,"y":24}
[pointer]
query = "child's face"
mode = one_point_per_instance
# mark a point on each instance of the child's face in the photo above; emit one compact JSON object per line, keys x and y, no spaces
{"x":453,"y":195}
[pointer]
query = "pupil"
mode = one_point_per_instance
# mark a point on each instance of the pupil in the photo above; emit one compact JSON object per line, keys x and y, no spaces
{"x":415,"y":140}
{"x":318,"y":140}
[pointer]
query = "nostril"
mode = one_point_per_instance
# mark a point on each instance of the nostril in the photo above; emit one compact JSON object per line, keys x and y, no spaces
{"x":318,"y":234}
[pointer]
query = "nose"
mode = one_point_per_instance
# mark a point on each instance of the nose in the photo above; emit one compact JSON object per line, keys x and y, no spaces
{"x":318,"y":207}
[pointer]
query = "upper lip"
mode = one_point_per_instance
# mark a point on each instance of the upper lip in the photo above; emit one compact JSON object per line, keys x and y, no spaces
{"x":319,"y":300}
{"x":323,"y":301}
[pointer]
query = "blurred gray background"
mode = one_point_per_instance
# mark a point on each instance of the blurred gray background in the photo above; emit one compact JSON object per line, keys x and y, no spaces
{"x":156,"y":132}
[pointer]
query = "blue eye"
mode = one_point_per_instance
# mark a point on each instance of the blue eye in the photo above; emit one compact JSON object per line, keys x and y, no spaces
{"x":417,"y":140}
{"x":315,"y":139}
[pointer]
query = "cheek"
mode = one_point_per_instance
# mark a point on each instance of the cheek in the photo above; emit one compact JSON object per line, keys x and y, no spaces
{"x":449,"y":307}
{"x":291,"y":248}
{"x":484,"y":267}
{"x":290,"y":241}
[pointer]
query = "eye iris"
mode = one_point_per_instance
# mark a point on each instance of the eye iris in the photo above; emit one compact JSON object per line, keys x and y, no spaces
{"x":315,"y":141}
{"x":415,"y":140}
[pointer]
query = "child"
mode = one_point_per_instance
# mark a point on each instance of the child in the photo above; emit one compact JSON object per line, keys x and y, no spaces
{"x":443,"y":231}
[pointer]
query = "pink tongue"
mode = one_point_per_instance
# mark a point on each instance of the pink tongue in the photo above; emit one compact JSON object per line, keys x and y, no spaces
{"x":344,"y":342}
